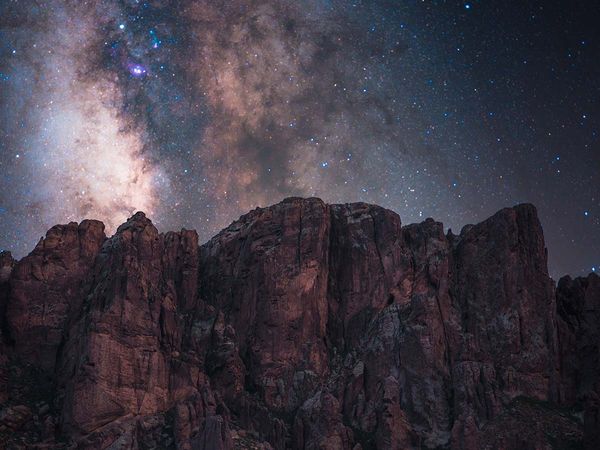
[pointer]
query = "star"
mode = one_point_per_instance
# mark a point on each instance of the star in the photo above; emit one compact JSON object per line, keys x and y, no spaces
{"x":143,"y":105}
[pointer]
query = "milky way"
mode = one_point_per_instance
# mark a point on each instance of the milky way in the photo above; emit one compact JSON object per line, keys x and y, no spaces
{"x":197,"y":111}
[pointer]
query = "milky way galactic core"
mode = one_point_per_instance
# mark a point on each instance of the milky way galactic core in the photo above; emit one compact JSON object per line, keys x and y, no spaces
{"x":197,"y":111}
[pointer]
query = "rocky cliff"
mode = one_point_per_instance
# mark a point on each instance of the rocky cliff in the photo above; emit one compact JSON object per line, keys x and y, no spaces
{"x":302,"y":325}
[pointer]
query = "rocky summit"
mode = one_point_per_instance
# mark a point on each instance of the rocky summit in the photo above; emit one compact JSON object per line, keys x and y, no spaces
{"x":303,"y":325}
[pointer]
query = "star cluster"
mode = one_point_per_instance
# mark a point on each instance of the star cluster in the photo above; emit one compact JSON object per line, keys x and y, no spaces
{"x":197,"y":111}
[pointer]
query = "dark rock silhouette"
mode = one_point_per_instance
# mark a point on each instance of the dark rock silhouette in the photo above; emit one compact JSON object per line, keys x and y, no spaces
{"x":302,"y":325}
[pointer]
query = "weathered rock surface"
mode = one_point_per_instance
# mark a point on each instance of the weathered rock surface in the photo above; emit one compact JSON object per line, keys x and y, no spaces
{"x":302,"y":325}
{"x":46,"y":287}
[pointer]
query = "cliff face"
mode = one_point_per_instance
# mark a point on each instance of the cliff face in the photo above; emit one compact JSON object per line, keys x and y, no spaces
{"x":301,"y":325}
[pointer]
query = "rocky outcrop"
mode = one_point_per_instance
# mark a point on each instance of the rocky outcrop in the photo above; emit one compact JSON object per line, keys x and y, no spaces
{"x":46,"y":289}
{"x":301,"y":325}
{"x":579,"y":333}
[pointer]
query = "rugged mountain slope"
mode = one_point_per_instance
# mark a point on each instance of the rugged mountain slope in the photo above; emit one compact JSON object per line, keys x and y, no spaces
{"x":301,"y":325}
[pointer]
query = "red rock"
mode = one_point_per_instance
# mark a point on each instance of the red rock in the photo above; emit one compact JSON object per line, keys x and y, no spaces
{"x":46,"y":289}
{"x":302,"y":325}
{"x":124,"y":354}
{"x":7,"y":264}
{"x":268,"y":274}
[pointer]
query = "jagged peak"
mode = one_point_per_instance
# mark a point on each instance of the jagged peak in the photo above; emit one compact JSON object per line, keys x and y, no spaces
{"x":525,"y":211}
{"x":139,"y":221}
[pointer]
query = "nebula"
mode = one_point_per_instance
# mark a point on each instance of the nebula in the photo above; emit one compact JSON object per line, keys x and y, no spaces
{"x":197,"y":111}
{"x":81,"y":156}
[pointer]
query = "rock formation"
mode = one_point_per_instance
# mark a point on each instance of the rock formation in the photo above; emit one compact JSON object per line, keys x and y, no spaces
{"x":302,"y":325}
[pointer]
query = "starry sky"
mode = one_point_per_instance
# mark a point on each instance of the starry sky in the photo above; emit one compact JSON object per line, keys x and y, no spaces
{"x":197,"y":111}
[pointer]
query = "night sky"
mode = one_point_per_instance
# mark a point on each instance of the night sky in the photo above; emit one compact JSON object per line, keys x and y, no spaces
{"x":197,"y":111}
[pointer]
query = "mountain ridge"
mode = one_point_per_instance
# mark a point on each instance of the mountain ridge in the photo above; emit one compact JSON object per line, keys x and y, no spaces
{"x":300,"y":325}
